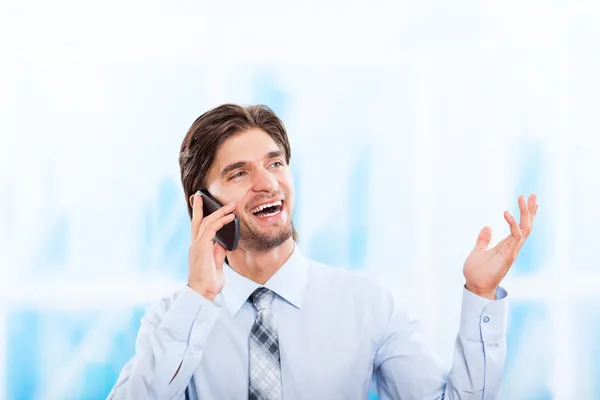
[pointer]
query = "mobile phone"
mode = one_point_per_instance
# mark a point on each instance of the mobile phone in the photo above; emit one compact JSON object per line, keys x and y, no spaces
{"x":229,"y":235}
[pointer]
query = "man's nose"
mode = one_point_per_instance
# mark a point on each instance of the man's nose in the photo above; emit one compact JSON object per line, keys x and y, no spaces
{"x":265,"y":181}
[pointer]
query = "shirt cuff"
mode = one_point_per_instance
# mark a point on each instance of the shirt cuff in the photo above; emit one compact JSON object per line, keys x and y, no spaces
{"x":483,"y":320}
{"x":191,"y":316}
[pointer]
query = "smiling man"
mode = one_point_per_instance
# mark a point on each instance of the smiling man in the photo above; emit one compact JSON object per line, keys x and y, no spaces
{"x":271,"y":324}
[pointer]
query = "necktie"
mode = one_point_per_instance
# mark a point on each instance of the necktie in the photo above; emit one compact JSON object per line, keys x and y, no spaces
{"x":265,"y":367}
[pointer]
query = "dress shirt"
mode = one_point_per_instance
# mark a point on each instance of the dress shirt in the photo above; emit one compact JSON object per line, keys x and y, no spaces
{"x":340,"y":334}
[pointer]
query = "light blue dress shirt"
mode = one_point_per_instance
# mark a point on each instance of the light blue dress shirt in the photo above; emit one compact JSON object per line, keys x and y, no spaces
{"x":337,"y":331}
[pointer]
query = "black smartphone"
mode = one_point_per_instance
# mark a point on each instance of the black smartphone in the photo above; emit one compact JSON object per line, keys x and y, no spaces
{"x":229,"y":235}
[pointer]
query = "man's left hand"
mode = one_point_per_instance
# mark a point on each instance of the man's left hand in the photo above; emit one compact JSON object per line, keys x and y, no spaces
{"x":484,"y":268}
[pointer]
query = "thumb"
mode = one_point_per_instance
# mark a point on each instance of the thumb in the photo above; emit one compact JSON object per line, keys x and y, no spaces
{"x":219,"y":254}
{"x":484,"y":238}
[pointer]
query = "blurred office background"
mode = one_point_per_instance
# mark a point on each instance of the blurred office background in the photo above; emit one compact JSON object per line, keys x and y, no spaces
{"x":413,"y":124}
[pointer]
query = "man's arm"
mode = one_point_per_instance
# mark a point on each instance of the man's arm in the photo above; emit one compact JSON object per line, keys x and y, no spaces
{"x":407,"y":368}
{"x":169,"y":347}
{"x":170,"y":344}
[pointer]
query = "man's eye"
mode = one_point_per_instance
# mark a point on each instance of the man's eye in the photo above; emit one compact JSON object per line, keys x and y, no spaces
{"x":277,"y":164}
{"x":238,"y":175}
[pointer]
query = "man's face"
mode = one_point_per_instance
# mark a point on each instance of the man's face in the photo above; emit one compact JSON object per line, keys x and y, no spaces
{"x":251,"y":170}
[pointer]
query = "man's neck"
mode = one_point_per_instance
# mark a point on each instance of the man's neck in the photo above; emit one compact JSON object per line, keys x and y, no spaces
{"x":260,"y":266}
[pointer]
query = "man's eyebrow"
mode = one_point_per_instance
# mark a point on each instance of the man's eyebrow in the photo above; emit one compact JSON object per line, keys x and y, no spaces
{"x":232,"y":167}
{"x":274,"y":154}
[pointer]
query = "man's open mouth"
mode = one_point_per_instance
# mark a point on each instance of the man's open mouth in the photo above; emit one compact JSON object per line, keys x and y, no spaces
{"x":268,"y":209}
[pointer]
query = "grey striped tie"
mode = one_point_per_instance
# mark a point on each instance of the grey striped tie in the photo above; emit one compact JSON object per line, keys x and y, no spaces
{"x":265,"y":366}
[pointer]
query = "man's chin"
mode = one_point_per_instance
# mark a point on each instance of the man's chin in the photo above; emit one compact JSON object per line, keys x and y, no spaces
{"x":259,"y":240}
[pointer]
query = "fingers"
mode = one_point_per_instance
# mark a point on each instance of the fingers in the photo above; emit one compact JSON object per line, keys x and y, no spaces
{"x":484,"y":238}
{"x":531,"y":204}
{"x":196,"y":202}
{"x":221,"y":212}
{"x":510,"y":246}
{"x":515,"y":231}
{"x":214,"y":226}
{"x":525,"y":223}
{"x":215,"y":221}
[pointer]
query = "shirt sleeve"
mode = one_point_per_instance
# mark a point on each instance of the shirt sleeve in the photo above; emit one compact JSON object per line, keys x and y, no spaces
{"x":171,"y":338}
{"x":406,"y":368}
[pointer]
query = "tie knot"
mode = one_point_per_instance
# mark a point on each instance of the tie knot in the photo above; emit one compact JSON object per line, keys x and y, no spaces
{"x":262,"y":298}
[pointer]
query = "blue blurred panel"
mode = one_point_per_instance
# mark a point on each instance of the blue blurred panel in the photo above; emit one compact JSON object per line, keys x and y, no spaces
{"x":585,"y":344}
{"x":528,"y":359}
{"x":168,"y":198}
{"x":99,"y":378}
{"x":266,"y":91}
{"x":358,"y":211}
{"x":595,"y":350}
{"x":52,"y":256}
{"x":327,"y":246}
{"x":45,"y":343}
{"x":98,"y":381}
{"x":343,"y":240}
{"x":22,"y":354}
{"x":165,"y":242}
{"x":530,"y":181}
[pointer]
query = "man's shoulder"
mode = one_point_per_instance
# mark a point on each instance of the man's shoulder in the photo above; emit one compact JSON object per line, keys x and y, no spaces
{"x":344,"y":280}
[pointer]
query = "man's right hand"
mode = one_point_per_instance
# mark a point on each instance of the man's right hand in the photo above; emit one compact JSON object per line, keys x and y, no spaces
{"x":206,"y":257}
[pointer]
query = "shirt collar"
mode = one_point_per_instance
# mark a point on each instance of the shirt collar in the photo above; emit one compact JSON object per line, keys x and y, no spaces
{"x":288,"y":282}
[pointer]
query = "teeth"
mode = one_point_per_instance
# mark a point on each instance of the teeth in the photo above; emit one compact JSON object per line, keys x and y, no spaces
{"x":260,"y":208}
{"x":269,"y":214}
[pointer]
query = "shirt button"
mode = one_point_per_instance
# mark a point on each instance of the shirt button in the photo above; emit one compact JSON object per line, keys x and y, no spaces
{"x":486,"y":319}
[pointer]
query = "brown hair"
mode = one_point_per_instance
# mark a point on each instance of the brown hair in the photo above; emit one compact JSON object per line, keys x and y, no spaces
{"x":212,"y":129}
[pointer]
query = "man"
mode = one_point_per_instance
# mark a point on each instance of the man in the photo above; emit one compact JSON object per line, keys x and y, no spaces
{"x":271,"y":324}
